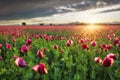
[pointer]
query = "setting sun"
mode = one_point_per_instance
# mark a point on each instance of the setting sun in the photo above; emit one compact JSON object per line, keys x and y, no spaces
{"x":93,"y":21}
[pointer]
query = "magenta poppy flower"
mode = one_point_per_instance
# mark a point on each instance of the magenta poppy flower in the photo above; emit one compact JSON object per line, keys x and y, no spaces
{"x":51,"y":37}
{"x":106,"y":50}
{"x":8,"y":46}
{"x":108,"y":37}
{"x":41,"y":68}
{"x":37,"y":36}
{"x":40,"y":54}
{"x":109,"y":46}
{"x":24,"y":49}
{"x":118,"y":44}
{"x":35,"y":68}
{"x":47,"y":38}
{"x":103,"y":46}
{"x":69,"y":43}
{"x":20,"y":62}
{"x":97,"y":60}
{"x":93,"y":43}
{"x":113,"y":35}
{"x":29,"y":41}
{"x":1,"y":45}
{"x":111,"y":55}
{"x":85,"y":46}
{"x":81,"y":41}
{"x":116,"y":41}
{"x":55,"y":46}
{"x":107,"y":62}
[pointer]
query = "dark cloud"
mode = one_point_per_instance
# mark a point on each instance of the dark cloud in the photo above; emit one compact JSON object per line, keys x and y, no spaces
{"x":24,"y":9}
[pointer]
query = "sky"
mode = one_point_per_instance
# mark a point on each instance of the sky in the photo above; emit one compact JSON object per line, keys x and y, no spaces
{"x":14,"y":12}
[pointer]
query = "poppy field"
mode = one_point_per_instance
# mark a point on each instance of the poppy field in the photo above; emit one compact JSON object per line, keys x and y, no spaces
{"x":60,"y":52}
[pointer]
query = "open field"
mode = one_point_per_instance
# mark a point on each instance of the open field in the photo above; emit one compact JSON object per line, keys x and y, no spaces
{"x":90,"y":52}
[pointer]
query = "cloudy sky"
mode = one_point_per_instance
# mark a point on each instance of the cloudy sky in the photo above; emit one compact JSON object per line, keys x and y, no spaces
{"x":59,"y":11}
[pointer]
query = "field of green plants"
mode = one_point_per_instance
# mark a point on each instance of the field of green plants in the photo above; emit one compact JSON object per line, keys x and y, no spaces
{"x":60,"y":53}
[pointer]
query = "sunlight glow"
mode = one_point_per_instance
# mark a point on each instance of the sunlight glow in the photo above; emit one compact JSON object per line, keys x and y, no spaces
{"x":93,"y":21}
{"x":92,"y":28}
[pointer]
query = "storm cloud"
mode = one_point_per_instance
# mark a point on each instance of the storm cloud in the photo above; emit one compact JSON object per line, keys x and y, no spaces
{"x":25,"y":9}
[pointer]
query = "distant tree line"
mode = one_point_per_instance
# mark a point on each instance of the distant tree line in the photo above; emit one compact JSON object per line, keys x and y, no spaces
{"x":24,"y":23}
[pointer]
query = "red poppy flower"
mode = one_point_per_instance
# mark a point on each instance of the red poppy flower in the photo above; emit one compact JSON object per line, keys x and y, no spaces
{"x":93,"y":43}
{"x":107,"y":62}
{"x":40,"y":54}
{"x":69,"y":43}
{"x":85,"y":46}
{"x":97,"y":60}
{"x":29,"y":41}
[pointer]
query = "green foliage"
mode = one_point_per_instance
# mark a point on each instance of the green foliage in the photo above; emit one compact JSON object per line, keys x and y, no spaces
{"x":74,"y":64}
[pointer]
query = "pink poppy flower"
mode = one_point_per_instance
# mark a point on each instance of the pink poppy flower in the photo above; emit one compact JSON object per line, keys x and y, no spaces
{"x":116,"y":41}
{"x":20,"y":62}
{"x":108,"y":37}
{"x":51,"y":37}
{"x":97,"y":60}
{"x":8,"y":46}
{"x":93,"y":43}
{"x":118,"y":44}
{"x":41,"y":68}
{"x":69,"y":43}
{"x":109,"y":46}
{"x":111,"y":55}
{"x":81,"y":41}
{"x":40,"y":54}
{"x":24,"y":49}
{"x":29,"y":41}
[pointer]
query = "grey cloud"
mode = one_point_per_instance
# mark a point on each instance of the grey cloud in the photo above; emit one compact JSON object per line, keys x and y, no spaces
{"x":85,"y":5}
{"x":106,"y":11}
{"x":24,"y":9}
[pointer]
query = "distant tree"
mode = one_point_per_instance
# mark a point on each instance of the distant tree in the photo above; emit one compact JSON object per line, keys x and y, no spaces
{"x":23,"y":23}
{"x":51,"y":24}
{"x":41,"y":24}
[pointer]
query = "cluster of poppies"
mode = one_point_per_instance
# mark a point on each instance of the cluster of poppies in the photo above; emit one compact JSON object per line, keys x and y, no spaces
{"x":41,"y":68}
{"x":107,"y":61}
{"x":19,"y":61}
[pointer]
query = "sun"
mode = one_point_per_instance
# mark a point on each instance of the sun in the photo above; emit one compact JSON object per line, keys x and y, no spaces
{"x":93,"y":21}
